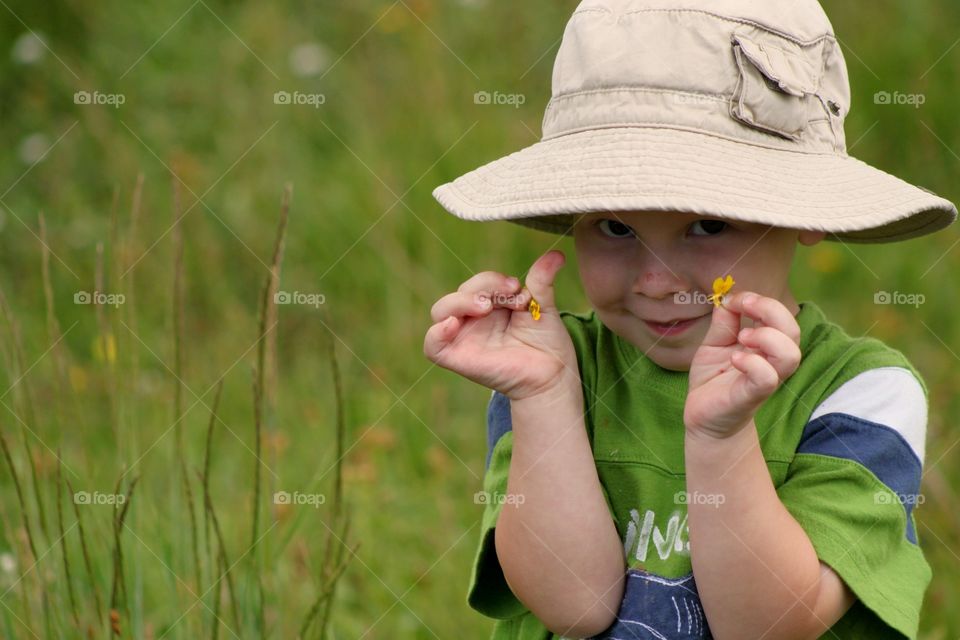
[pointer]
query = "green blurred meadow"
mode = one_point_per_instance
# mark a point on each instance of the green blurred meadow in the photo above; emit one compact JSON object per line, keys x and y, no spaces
{"x":376,"y":107}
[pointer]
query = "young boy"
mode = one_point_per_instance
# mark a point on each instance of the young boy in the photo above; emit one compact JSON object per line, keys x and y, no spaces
{"x":673,"y":465}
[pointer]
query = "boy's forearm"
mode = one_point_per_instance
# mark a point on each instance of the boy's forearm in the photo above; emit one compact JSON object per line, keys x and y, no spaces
{"x":757,"y":572}
{"x":559,"y":548}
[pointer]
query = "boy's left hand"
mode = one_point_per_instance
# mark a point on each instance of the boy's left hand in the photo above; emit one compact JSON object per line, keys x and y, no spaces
{"x":732,"y":374}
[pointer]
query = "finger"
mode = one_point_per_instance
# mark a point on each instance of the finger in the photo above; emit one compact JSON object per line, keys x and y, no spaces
{"x":779,"y":350}
{"x":514,"y":301}
{"x":474,"y":296}
{"x":724,"y":327}
{"x":459,"y":304}
{"x":541,"y":276}
{"x":762,"y":379}
{"x":489,"y":281}
{"x":479,"y":304}
{"x":765,"y":311}
{"x":440,"y":336}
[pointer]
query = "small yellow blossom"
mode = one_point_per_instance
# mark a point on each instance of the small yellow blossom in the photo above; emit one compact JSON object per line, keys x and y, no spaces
{"x":78,"y":378}
{"x":720,"y":288}
{"x":104,"y":348}
{"x":534,"y":308}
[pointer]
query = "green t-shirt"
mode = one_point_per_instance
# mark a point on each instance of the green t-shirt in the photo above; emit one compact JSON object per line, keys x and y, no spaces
{"x":843,"y":439}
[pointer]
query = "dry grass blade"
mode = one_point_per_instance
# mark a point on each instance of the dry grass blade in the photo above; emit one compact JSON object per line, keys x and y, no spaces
{"x":205,"y":480}
{"x":106,"y":345}
{"x":27,"y":407}
{"x":266,"y":343}
{"x":224,"y":561}
{"x":130,"y":288}
{"x":330,"y":577}
{"x":86,"y":552}
{"x":119,"y":588}
{"x":23,"y":511}
{"x":178,"y":317}
{"x":215,"y":619}
{"x":63,"y":543}
{"x":20,"y":498}
{"x":53,"y":327}
{"x":268,"y":315}
{"x":330,"y":559}
{"x":177,"y":320}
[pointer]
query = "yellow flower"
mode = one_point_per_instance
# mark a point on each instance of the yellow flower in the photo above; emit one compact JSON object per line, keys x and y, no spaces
{"x":78,"y":378}
{"x":534,"y":308}
{"x":720,"y":288}
{"x":105,"y":348}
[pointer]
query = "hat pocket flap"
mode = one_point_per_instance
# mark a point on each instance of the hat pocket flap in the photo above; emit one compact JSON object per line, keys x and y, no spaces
{"x":783,"y":63}
{"x":776,"y":84}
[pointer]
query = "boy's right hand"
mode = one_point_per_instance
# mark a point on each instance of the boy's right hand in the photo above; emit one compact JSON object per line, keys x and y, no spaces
{"x":484,"y":332}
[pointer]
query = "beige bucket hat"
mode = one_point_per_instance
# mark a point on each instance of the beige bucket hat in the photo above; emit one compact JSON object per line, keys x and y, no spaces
{"x":733,"y":108}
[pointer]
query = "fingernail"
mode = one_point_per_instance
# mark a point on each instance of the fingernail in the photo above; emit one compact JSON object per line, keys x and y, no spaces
{"x":750,"y":298}
{"x":513,"y":283}
{"x":745,"y":333}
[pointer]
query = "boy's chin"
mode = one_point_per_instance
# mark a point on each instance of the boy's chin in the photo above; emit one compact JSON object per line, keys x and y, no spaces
{"x":672,"y":364}
{"x":673,"y":357}
{"x":670,"y":357}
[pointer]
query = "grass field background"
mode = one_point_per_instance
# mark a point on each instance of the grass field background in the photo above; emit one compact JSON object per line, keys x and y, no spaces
{"x":201,"y":133}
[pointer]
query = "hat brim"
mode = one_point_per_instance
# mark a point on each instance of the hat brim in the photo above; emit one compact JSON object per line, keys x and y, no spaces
{"x":661,"y":168}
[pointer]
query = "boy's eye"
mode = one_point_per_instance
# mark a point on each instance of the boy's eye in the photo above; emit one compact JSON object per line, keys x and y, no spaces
{"x":710,"y":227}
{"x":615,"y":228}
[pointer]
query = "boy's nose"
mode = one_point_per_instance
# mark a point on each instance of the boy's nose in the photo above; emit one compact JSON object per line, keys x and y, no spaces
{"x":659,"y":284}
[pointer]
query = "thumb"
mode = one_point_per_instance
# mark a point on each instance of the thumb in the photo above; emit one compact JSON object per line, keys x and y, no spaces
{"x":541,"y":276}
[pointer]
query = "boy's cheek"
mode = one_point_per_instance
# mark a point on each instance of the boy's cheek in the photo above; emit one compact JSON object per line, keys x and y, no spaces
{"x":601,"y":286}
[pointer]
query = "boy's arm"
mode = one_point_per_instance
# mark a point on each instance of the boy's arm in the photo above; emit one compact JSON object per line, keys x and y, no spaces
{"x":557,"y":545}
{"x":757,"y":572}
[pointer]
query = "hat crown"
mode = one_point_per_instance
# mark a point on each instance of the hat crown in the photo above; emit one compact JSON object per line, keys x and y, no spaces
{"x":767,"y":72}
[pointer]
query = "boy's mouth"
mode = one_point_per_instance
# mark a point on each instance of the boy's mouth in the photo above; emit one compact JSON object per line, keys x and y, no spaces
{"x":674,"y":327}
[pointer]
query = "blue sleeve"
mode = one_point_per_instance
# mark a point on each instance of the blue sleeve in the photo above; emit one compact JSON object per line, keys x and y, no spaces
{"x":853,"y":485}
{"x":488,"y":592}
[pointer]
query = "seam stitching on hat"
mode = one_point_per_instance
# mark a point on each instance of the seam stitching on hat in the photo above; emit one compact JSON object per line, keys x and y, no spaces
{"x":839,"y":133}
{"x":593,"y":10}
{"x":671,"y":125}
{"x":831,"y":217}
{"x":752,"y":23}
{"x":786,"y":52}
{"x":722,"y":97}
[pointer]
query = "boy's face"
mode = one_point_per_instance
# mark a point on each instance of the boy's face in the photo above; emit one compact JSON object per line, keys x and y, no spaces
{"x":633,"y":263}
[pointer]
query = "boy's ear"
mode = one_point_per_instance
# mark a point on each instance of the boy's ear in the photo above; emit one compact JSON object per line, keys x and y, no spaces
{"x":810,"y":238}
